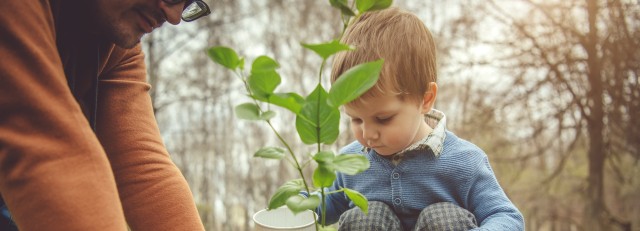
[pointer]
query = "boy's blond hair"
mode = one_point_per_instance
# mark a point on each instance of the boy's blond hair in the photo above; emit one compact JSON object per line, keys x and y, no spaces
{"x":405,"y":44}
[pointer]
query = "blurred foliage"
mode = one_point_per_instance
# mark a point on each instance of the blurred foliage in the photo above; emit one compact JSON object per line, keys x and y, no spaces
{"x":516,"y":78}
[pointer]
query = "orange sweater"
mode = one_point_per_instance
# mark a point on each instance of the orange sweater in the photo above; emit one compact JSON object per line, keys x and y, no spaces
{"x":55,"y":172}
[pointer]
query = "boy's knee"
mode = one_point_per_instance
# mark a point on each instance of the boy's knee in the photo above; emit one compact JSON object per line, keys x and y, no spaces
{"x":380,"y":217}
{"x":445,"y":216}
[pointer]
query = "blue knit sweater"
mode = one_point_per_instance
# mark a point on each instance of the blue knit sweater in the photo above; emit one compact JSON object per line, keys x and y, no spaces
{"x":460,"y":174}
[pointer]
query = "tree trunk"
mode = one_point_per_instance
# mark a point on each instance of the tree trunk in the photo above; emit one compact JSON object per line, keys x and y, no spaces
{"x":595,"y":214}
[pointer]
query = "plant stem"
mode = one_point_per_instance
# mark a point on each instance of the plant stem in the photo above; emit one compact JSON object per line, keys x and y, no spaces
{"x":324,"y":207}
{"x":293,"y":156}
{"x":324,"y":204}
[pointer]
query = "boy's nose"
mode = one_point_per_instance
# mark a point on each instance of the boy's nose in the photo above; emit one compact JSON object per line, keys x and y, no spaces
{"x":369,"y":132}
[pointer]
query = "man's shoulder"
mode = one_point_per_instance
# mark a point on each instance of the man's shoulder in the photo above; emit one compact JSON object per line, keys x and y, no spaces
{"x":114,"y":52}
{"x":113,"y":56}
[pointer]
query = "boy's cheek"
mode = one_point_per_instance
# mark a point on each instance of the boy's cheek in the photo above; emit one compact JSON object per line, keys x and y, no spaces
{"x":356,"y":130}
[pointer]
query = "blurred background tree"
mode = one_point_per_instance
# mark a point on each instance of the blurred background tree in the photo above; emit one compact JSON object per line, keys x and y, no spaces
{"x":549,"y":89}
{"x":567,"y":94}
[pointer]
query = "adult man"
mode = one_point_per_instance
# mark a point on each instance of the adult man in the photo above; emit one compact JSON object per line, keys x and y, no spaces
{"x":79,"y":144}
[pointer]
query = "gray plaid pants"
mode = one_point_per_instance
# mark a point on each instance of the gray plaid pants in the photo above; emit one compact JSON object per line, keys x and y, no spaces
{"x":442,"y":216}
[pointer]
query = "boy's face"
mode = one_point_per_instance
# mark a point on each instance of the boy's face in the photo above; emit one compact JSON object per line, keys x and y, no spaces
{"x":125,"y":21}
{"x":388,"y":124}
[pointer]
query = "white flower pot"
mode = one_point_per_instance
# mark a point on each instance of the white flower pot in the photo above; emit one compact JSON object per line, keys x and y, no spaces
{"x":283,"y":219}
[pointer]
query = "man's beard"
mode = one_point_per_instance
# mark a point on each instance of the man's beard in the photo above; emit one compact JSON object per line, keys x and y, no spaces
{"x":110,"y":27}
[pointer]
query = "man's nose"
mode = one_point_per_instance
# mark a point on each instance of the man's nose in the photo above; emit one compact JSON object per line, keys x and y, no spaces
{"x":173,"y":13}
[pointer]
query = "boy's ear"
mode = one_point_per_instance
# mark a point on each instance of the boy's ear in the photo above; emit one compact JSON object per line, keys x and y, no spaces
{"x":429,"y":98}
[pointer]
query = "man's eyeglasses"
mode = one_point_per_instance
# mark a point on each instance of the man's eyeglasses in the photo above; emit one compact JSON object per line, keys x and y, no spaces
{"x":193,"y":9}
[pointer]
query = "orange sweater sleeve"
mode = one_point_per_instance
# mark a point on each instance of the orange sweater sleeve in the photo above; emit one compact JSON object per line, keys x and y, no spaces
{"x":54,"y":175}
{"x":154,"y":193}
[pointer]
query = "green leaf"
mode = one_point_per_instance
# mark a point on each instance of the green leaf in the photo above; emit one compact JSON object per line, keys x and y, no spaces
{"x":270,"y":153}
{"x":263,"y":83}
{"x":248,"y":111}
{"x":299,"y":204}
{"x":354,"y":82}
{"x":317,"y":122}
{"x":306,"y":130}
{"x":371,"y":5}
{"x":325,"y":157}
{"x":291,"y":101}
{"x":226,"y":57}
{"x":323,"y":177}
{"x":285,"y":191}
{"x":325,"y":50}
{"x":263,"y":79}
{"x":358,"y":199}
{"x":381,"y":4}
{"x":343,"y":6}
{"x":330,"y":125}
{"x":351,"y":164}
{"x":267,"y":115}
{"x":241,"y":64}
{"x":264,"y":64}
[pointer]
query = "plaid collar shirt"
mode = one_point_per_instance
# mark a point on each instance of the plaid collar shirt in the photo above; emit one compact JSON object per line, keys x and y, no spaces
{"x":434,"y":141}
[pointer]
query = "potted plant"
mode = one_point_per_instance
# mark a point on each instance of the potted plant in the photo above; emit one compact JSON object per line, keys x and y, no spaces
{"x":317,"y":115}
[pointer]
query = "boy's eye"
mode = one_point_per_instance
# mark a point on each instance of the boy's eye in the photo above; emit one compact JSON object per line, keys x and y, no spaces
{"x":384,"y":119}
{"x":356,"y":120}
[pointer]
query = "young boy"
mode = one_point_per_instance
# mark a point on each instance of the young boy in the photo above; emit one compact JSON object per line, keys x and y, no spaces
{"x":422,"y":177}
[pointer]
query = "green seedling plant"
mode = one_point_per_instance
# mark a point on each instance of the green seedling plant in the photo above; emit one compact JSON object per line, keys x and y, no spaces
{"x":317,"y":115}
